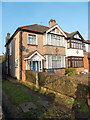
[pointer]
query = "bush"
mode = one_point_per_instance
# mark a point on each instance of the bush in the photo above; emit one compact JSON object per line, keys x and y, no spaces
{"x":70,"y":71}
{"x":30,"y":76}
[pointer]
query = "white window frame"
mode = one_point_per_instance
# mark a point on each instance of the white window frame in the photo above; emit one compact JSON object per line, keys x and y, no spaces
{"x":61,"y":66}
{"x":16,"y":63}
{"x":36,"y":38}
{"x":61,"y":41}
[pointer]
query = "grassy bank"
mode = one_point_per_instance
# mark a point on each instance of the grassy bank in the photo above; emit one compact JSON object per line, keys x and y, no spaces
{"x":18,"y":95}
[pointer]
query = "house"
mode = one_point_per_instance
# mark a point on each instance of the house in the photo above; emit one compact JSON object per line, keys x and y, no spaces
{"x":77,"y":52}
{"x":41,"y":48}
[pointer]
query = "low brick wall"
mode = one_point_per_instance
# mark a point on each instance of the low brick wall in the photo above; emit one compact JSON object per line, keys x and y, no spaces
{"x":80,"y":69}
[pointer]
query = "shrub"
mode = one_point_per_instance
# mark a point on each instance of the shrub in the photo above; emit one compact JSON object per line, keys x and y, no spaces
{"x":70,"y":71}
{"x":30,"y":76}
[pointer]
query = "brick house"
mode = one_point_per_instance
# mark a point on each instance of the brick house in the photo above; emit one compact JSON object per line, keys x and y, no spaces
{"x":41,"y":48}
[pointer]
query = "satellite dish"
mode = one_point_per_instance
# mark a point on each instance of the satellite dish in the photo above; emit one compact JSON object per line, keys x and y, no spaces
{"x":23,"y":48}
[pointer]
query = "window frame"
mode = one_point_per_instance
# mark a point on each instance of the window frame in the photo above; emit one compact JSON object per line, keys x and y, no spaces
{"x":53,"y":39}
{"x":32,"y":35}
{"x":75,"y":62}
{"x":56,"y":59}
{"x":75,"y":44}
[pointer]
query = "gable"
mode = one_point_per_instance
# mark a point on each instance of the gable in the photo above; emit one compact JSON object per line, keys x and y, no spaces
{"x":77,"y":36}
{"x":57,"y":30}
{"x":34,"y":55}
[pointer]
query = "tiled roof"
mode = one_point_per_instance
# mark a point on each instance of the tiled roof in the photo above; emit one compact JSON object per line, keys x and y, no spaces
{"x":70,"y":34}
{"x":35,"y":28}
{"x":30,"y":53}
{"x":87,"y":41}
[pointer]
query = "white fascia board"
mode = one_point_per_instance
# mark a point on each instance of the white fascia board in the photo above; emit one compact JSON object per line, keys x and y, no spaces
{"x":58,"y":28}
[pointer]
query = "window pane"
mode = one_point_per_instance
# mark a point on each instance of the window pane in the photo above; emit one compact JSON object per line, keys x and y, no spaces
{"x":31,"y":39}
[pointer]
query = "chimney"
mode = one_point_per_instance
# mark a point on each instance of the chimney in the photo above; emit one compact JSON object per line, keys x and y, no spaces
{"x":52,"y":23}
{"x":8,"y":36}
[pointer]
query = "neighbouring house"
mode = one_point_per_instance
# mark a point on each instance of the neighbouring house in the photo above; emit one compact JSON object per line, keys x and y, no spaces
{"x":45,"y":49}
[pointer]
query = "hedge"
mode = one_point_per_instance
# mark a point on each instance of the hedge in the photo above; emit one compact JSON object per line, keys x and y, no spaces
{"x":30,"y":76}
{"x":63,"y":84}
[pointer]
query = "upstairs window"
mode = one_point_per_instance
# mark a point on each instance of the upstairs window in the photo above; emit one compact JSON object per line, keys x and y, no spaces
{"x":75,"y":44}
{"x":55,"y":40}
{"x":32,"y":39}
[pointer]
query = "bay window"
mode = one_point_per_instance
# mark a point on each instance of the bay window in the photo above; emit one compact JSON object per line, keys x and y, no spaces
{"x":75,"y":62}
{"x":56,"y":61}
{"x":55,"y":40}
{"x":75,"y":44}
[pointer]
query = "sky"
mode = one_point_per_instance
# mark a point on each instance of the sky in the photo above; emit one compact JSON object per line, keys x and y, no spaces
{"x":70,"y":16}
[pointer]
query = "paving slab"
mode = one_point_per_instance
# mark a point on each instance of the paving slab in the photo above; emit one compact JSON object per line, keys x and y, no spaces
{"x":43,"y":103}
{"x":27,"y":106}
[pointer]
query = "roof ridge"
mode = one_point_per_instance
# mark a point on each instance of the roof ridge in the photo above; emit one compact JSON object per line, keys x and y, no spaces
{"x":32,"y":25}
{"x":27,"y":26}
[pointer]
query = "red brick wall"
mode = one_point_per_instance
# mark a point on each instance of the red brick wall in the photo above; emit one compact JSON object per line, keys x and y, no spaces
{"x":85,"y":60}
{"x":80,"y":69}
{"x":66,"y":63}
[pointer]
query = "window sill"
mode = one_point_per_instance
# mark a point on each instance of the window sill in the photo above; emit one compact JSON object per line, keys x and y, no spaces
{"x":75,"y":48}
{"x":31,"y":45}
{"x":76,"y":67}
{"x":54,"y":46}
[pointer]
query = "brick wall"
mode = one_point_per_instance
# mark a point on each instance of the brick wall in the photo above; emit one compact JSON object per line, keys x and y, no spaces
{"x":85,"y":60}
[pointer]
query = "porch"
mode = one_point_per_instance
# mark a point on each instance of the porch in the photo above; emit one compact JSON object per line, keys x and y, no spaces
{"x":35,"y":62}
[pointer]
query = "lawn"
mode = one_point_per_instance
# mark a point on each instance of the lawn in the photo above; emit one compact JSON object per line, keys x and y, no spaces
{"x":18,"y":96}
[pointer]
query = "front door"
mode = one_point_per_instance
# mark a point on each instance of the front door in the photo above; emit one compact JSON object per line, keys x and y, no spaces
{"x":36,"y":65}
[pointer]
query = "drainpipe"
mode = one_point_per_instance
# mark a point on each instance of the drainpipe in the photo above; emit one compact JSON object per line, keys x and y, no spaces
{"x":20,"y":54}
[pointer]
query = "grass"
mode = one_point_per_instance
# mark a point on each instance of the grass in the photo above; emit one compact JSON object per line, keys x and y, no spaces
{"x":17,"y":94}
{"x":66,"y":101}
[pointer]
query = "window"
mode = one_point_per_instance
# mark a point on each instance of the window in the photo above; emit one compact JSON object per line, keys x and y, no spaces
{"x":16,"y":63}
{"x":56,"y":61}
{"x":75,"y":62}
{"x":32,"y":39}
{"x":55,"y":40}
{"x":76,"y":44}
{"x":10,"y":48}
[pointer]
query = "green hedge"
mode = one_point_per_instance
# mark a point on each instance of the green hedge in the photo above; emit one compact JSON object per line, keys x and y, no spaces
{"x":30,"y":76}
{"x":63,"y":84}
{"x":56,"y":83}
{"x":70,"y":71}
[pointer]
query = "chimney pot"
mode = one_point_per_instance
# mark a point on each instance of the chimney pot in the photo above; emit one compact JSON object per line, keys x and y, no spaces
{"x":8,"y":36}
{"x":52,"y":23}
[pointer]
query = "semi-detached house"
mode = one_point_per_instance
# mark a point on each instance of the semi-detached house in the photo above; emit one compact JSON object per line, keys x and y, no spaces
{"x":45,"y":49}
